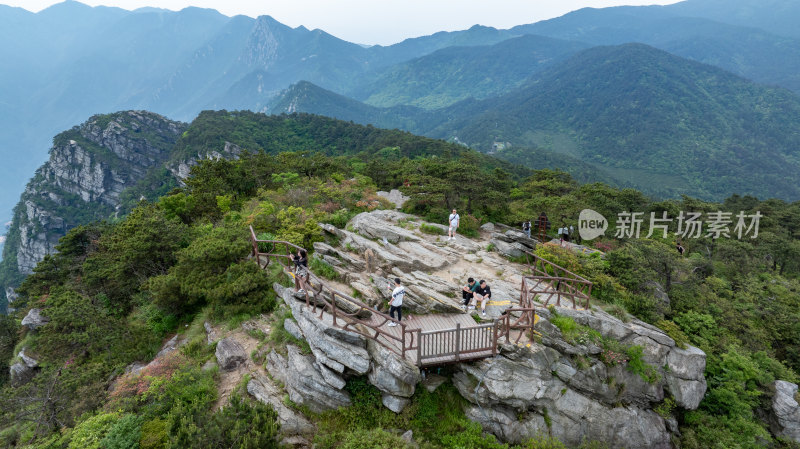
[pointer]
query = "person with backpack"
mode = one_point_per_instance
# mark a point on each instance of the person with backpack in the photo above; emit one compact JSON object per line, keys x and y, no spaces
{"x":454,"y":220}
{"x":396,"y":303}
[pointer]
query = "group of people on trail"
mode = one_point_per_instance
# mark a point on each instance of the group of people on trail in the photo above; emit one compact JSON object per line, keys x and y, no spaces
{"x":480,"y":291}
{"x":564,"y":233}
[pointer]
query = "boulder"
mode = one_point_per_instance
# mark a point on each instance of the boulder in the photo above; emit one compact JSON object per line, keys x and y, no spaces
{"x":381,"y":225}
{"x":395,"y":196}
{"x":291,"y":327}
{"x":391,"y":374}
{"x":23,"y":371}
{"x":512,"y":250}
{"x":230,"y":354}
{"x":488,"y":227}
{"x":211,"y":334}
{"x":304,"y":383}
{"x":264,"y":390}
{"x":785,"y":414}
{"x":394,"y":403}
{"x":170,"y":346}
{"x":34,"y":319}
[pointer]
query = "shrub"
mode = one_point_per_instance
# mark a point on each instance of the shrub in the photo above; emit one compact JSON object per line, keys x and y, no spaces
{"x":124,"y":434}
{"x":90,"y":432}
{"x":639,"y":367}
{"x":154,"y":435}
{"x":322,"y":268}
{"x":674,"y":332}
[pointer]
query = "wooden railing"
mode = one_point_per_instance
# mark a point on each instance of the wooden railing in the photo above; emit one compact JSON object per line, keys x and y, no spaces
{"x":426,"y":348}
{"x":456,"y":345}
{"x":550,"y":280}
{"x":346,"y":312}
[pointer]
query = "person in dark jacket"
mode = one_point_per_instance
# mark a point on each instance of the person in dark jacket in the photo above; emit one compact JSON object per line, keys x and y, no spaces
{"x":482,"y":294}
{"x":468,"y":292}
{"x":300,"y":266}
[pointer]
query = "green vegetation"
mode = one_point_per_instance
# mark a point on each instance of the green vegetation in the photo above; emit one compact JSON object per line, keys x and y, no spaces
{"x":430,"y":229}
{"x":114,"y":291}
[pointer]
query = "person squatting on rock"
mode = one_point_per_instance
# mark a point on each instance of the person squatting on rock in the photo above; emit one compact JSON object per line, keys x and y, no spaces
{"x":396,"y":302}
{"x":454,"y":219}
{"x":467,"y":293}
{"x":300,"y":266}
{"x":483,"y":293}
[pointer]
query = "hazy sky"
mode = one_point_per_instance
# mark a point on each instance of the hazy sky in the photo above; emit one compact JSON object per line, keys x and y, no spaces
{"x":376,"y":21}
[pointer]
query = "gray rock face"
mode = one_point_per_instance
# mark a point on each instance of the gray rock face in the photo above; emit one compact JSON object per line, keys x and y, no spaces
{"x":785,"y":413}
{"x":23,"y":371}
{"x":211,"y":334}
{"x":505,"y":389}
{"x":335,"y":348}
{"x":395,"y":196}
{"x":34,"y":319}
{"x":230,"y":354}
{"x":517,"y":389}
{"x":91,"y":164}
{"x":292,"y":423}
{"x":392,"y":374}
{"x":304,"y":382}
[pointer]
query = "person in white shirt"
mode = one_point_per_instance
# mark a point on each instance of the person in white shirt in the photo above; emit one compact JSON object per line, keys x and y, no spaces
{"x":454,"y":220}
{"x":396,"y":302}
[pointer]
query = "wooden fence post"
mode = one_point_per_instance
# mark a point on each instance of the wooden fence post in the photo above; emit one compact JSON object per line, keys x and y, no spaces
{"x":458,"y":342}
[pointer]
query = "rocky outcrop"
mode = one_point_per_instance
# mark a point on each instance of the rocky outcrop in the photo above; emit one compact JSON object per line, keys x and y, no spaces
{"x":88,"y":169}
{"x":23,"y":370}
{"x":527,"y":391}
{"x":395,"y":196}
{"x":785,"y":413}
{"x":34,"y":319}
{"x":182,"y":169}
{"x":11,"y":296}
{"x":307,"y":382}
{"x":558,"y":385}
{"x":292,"y":422}
{"x":230,"y":354}
{"x":318,"y":379}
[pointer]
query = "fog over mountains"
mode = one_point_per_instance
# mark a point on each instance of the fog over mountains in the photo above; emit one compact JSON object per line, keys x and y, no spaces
{"x":71,"y":61}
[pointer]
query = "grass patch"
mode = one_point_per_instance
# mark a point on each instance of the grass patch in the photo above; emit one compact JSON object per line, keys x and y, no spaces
{"x":431,"y":229}
{"x":322,"y":268}
{"x":279,"y":337}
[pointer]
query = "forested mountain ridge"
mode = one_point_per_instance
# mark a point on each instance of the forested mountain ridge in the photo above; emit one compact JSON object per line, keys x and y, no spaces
{"x":101,"y":169}
{"x":636,"y":112}
{"x":70,"y":61}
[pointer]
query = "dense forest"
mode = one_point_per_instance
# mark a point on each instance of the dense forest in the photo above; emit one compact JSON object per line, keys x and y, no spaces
{"x":118,"y":288}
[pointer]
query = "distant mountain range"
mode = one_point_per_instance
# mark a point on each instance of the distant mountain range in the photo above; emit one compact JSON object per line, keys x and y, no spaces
{"x":632,"y":114}
{"x":71,"y":61}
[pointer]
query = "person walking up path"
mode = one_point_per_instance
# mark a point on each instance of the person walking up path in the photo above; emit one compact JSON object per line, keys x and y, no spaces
{"x":454,"y":220}
{"x":396,"y":303}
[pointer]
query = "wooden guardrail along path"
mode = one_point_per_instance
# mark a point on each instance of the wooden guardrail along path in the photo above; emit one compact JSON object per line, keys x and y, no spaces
{"x":425,"y":340}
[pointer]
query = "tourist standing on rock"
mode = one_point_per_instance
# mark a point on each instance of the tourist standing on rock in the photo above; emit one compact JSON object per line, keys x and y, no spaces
{"x":526,"y":226}
{"x":454,"y":220}
{"x":396,"y":302}
{"x":468,"y":292}
{"x":483,"y":293}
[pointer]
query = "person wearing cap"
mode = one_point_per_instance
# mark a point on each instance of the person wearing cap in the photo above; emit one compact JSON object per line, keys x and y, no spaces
{"x":482,"y":294}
